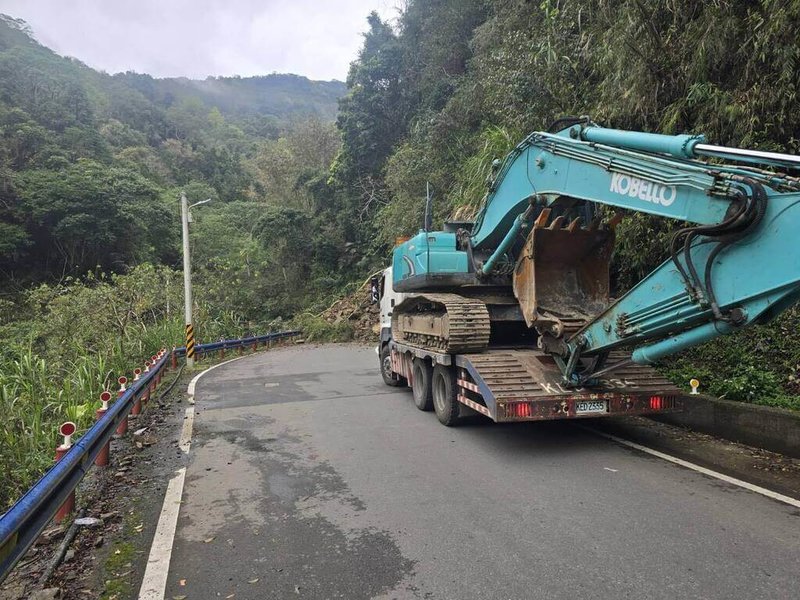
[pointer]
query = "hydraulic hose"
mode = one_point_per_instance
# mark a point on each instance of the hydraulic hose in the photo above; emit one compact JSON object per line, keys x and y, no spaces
{"x":759,"y":205}
{"x":692,"y":278}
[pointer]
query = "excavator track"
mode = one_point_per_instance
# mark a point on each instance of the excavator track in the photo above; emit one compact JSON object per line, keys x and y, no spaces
{"x":446,"y":323}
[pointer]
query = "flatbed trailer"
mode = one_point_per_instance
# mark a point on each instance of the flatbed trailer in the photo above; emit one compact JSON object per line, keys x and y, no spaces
{"x":524,"y":384}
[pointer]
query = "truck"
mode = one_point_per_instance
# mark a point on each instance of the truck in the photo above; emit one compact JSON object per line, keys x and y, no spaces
{"x":511,"y":316}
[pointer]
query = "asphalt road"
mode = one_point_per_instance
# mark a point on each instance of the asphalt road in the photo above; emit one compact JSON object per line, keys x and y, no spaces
{"x":309,"y":478}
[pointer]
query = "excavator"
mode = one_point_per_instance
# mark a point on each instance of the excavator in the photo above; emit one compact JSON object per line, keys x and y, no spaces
{"x":518,"y":302}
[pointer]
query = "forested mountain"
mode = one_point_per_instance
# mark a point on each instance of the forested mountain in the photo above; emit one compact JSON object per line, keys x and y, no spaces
{"x":90,"y":163}
{"x":458,"y":82}
{"x":91,"y":171}
{"x":280,"y":95}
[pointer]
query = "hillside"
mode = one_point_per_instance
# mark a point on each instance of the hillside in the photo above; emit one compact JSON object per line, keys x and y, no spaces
{"x":90,"y":163}
{"x":91,"y":171}
{"x":283,"y":96}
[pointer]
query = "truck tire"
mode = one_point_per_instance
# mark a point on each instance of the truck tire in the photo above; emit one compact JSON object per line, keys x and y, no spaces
{"x":444,"y":391}
{"x":421,"y":384}
{"x":390,"y":377}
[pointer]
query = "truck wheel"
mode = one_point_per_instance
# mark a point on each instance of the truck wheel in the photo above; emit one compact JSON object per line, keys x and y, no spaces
{"x":444,"y":390}
{"x":421,"y":384}
{"x":390,"y":377}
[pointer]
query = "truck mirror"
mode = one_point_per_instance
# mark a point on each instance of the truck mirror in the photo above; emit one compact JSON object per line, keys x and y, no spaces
{"x":373,"y":290}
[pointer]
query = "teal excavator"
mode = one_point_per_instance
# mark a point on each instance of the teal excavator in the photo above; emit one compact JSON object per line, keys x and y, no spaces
{"x":533,"y":267}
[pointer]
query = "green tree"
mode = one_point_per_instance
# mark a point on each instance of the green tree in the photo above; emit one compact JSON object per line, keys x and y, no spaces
{"x":90,"y":215}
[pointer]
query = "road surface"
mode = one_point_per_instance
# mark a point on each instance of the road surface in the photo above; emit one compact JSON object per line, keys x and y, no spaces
{"x":308,"y":478}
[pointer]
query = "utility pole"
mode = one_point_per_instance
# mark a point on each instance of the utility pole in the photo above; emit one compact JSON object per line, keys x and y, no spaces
{"x":186,"y":218}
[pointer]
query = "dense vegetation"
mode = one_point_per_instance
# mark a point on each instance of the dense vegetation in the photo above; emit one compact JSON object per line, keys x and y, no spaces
{"x":91,"y":167}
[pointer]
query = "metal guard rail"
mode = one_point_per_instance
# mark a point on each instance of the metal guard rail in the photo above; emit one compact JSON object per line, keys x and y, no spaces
{"x":240,"y":343}
{"x":27,"y":518}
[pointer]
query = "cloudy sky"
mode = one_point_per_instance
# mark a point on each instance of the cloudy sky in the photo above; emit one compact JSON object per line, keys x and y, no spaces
{"x":197,"y":38}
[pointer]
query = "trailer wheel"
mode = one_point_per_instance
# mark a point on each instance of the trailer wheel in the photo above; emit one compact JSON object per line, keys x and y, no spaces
{"x":444,"y":391}
{"x":421,"y":384}
{"x":390,"y":377}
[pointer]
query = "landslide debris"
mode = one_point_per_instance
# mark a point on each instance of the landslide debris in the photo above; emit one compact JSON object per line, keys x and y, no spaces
{"x":357,"y":312}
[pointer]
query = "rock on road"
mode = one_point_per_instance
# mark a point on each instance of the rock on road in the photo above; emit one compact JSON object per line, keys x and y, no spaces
{"x":309,"y":478}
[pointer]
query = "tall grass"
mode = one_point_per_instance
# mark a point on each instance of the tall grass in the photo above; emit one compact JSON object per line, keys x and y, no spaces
{"x":65,"y":344}
{"x":34,"y":398}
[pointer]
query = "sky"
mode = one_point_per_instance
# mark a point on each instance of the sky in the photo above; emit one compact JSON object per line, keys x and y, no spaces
{"x":199,"y":38}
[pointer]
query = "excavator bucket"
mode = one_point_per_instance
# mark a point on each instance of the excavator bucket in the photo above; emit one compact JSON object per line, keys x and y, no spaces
{"x":562,"y":277}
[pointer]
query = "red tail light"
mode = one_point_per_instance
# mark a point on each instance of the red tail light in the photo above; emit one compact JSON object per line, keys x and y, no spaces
{"x":657,"y":403}
{"x":519,"y":410}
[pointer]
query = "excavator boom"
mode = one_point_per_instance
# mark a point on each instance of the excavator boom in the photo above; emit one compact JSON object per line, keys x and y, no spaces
{"x":734,"y":263}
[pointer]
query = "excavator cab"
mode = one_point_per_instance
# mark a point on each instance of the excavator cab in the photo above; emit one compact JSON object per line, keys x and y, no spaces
{"x":561,"y":277}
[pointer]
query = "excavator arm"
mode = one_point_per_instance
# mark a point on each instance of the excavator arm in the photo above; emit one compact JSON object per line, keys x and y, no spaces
{"x":735,"y":262}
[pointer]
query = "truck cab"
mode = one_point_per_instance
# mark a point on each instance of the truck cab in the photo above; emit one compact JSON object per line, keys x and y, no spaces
{"x":387,"y":299}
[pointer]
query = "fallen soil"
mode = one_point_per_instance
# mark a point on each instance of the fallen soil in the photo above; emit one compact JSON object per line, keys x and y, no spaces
{"x":358,"y":311}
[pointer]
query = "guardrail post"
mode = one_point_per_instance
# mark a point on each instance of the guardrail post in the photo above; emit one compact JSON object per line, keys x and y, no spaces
{"x":157,"y":376}
{"x":122,"y":428}
{"x":255,"y":345}
{"x":67,"y":430}
{"x":137,"y":404}
{"x":174,"y":359}
{"x":152,"y":386}
{"x":269,"y":340}
{"x":222,"y":348}
{"x":146,"y":395}
{"x":102,"y":457}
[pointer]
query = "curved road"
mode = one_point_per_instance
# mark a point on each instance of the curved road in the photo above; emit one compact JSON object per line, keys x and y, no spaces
{"x":308,"y":478}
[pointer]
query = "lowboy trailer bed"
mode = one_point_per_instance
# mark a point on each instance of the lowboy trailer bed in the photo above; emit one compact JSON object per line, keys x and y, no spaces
{"x":525,"y":385}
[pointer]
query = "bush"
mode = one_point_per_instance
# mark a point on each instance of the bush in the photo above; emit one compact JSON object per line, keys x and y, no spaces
{"x":64,"y":344}
{"x":317,"y":329}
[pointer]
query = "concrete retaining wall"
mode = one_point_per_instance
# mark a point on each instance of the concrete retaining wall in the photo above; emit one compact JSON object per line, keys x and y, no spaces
{"x":760,"y":426}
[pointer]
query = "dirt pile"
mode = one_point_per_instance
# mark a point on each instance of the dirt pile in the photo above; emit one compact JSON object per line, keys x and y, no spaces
{"x":357,"y":311}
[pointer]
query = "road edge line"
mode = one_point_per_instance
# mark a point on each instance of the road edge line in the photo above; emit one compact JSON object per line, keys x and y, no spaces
{"x":193,"y":382}
{"x":154,"y":581}
{"x":703,"y":470}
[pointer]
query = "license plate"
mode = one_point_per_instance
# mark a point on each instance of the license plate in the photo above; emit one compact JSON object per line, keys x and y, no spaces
{"x":585,"y":407}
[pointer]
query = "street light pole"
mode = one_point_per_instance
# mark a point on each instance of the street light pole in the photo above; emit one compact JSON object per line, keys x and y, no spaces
{"x":187,"y":278}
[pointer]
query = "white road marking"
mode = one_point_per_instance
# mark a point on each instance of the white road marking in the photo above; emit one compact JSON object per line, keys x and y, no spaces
{"x":193,"y":382}
{"x":185,"y":441}
{"x":154,"y":583}
{"x":685,"y":463}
